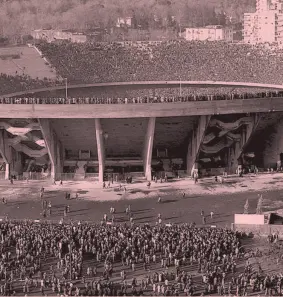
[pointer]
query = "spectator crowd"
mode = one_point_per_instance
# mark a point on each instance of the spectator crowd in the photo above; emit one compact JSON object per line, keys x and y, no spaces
{"x":83,"y":259}
{"x":114,"y":249}
{"x":168,"y":60}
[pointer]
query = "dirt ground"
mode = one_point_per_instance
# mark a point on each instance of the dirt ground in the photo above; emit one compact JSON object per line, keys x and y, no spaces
{"x":223,"y":199}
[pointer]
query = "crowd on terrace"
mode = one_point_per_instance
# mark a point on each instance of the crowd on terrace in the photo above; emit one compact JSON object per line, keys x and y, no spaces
{"x":168,"y":60}
{"x":171,"y":60}
{"x":138,"y":100}
{"x":119,"y":260}
{"x":117,"y":252}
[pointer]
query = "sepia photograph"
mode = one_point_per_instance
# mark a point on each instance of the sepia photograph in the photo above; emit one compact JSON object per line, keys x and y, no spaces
{"x":141,"y":148}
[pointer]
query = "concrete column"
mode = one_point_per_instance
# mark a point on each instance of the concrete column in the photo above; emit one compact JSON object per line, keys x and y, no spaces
{"x":7,"y":171}
{"x":60,"y":158}
{"x":233,"y":156}
{"x":148,"y":146}
{"x":195,"y":143}
{"x":247,"y":133}
{"x":100,"y":148}
{"x":6,"y":152}
{"x":54,"y":148}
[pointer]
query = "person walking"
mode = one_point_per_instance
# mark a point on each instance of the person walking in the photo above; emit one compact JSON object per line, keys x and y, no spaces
{"x":196,"y":177}
{"x":49,"y":208}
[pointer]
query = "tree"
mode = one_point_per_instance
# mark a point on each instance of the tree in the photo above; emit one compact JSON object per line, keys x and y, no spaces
{"x":246,"y":207}
{"x":18,"y":18}
{"x":259,"y":205}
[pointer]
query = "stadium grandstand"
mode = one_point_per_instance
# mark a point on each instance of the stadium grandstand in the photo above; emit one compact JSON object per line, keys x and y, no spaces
{"x":176,"y":60}
{"x":114,"y":73}
{"x":144,"y":111}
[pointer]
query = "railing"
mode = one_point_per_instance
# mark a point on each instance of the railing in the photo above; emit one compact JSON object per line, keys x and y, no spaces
{"x":76,"y":176}
{"x":182,"y":173}
{"x":65,"y":176}
{"x":139,"y":100}
{"x":147,"y":84}
{"x":136,"y":174}
{"x":34,"y":176}
{"x":93,"y":176}
{"x":120,"y":177}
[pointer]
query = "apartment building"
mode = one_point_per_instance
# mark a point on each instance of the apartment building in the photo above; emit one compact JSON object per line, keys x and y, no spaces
{"x":266,"y":24}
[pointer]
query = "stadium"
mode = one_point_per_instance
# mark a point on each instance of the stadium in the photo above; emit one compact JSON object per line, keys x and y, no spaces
{"x":133,"y":115}
{"x":75,"y":117}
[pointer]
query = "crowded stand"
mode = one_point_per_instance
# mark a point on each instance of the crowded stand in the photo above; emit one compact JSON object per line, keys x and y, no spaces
{"x":162,"y":61}
{"x":17,"y":83}
{"x":170,"y":259}
{"x":139,"y":100}
{"x":168,"y":60}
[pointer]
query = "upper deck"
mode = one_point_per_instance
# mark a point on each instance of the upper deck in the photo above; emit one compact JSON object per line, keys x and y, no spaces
{"x":188,"y":108}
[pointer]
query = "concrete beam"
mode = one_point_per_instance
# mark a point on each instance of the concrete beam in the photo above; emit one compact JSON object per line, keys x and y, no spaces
{"x":54,"y":147}
{"x":148,"y":146}
{"x":147,"y":110}
{"x":100,"y":148}
{"x":195,"y":143}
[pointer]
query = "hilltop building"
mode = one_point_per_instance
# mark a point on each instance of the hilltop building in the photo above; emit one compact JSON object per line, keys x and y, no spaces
{"x":53,"y":35}
{"x":211,"y":33}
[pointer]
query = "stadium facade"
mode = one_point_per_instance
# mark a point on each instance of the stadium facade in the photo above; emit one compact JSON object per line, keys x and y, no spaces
{"x":95,"y":141}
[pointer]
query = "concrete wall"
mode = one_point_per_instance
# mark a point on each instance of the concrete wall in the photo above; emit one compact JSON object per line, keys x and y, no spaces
{"x":140,"y":110}
{"x":173,"y":133}
{"x":249,"y":219}
{"x":76,"y":134}
{"x":125,"y":136}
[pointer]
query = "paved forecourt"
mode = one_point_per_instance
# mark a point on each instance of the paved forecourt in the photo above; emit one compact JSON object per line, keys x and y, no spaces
{"x":93,"y":202}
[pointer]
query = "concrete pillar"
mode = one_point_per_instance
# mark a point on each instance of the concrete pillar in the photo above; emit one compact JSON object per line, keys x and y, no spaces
{"x":6,"y":152}
{"x":7,"y":171}
{"x":60,"y":158}
{"x":195,"y":143}
{"x":148,"y":146}
{"x":54,"y":148}
{"x":247,"y":133}
{"x":100,"y":148}
{"x":233,"y":156}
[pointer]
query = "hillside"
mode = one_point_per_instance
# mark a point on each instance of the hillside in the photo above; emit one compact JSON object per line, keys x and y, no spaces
{"x":20,"y":17}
